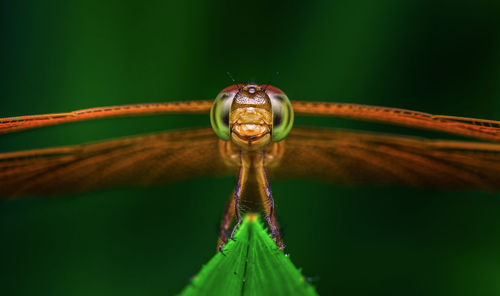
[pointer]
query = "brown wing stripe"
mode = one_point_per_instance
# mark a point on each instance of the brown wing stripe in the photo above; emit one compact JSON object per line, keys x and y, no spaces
{"x":11,"y":124}
{"x":470,"y":127}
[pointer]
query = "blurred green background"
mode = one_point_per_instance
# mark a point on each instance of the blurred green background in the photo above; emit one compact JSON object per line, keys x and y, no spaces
{"x":435,"y":56}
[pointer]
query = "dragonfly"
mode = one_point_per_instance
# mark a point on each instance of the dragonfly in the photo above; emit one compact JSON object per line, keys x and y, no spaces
{"x":253,"y":138}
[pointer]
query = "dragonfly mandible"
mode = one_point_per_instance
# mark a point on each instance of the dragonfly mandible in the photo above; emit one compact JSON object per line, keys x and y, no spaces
{"x":255,"y":139}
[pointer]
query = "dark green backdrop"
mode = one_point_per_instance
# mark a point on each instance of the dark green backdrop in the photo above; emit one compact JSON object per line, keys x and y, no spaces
{"x":434,"y":56}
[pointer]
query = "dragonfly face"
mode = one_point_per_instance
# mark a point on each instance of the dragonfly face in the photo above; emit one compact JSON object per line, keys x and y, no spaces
{"x":252,"y":115}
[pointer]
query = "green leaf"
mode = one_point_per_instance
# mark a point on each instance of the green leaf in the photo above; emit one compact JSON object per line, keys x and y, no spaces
{"x":251,"y":265}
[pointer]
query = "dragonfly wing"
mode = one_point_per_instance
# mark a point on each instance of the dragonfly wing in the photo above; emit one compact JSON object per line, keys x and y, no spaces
{"x":12,"y":124}
{"x":355,"y":158}
{"x":134,"y":161}
{"x":469,"y":127}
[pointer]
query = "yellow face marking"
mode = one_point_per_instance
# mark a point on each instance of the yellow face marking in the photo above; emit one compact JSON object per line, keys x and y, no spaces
{"x":251,"y":118}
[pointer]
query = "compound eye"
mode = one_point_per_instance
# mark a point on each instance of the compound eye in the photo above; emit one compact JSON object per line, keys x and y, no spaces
{"x":219,"y":115}
{"x":282,"y":116}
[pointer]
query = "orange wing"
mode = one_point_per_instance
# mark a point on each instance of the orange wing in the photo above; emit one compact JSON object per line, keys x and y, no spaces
{"x":475,"y":128}
{"x":369,"y":159}
{"x":336,"y":156}
{"x":469,"y":127}
{"x":134,"y":161}
{"x":11,"y":124}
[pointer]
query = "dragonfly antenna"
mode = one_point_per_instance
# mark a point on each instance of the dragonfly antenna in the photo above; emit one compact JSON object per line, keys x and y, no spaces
{"x":271,"y":80}
{"x":234,"y":81}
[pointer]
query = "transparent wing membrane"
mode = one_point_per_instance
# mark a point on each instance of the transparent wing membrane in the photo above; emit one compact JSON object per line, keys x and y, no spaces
{"x":341,"y":157}
{"x":134,"y":161}
{"x":355,"y":158}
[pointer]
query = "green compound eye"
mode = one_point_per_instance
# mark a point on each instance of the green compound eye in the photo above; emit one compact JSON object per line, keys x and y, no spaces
{"x":219,"y":115}
{"x":282,"y":116}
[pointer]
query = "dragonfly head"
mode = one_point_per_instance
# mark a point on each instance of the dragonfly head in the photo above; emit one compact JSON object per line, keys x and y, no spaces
{"x":251,"y":118}
{"x":251,"y":115}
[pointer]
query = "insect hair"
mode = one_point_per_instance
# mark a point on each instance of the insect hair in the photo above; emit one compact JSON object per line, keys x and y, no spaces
{"x":234,"y":81}
{"x":271,"y":80}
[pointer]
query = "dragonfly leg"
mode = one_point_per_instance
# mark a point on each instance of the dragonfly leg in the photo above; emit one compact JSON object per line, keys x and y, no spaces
{"x":268,"y":203}
{"x":233,"y":205}
{"x":227,"y":220}
{"x":236,"y":199}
